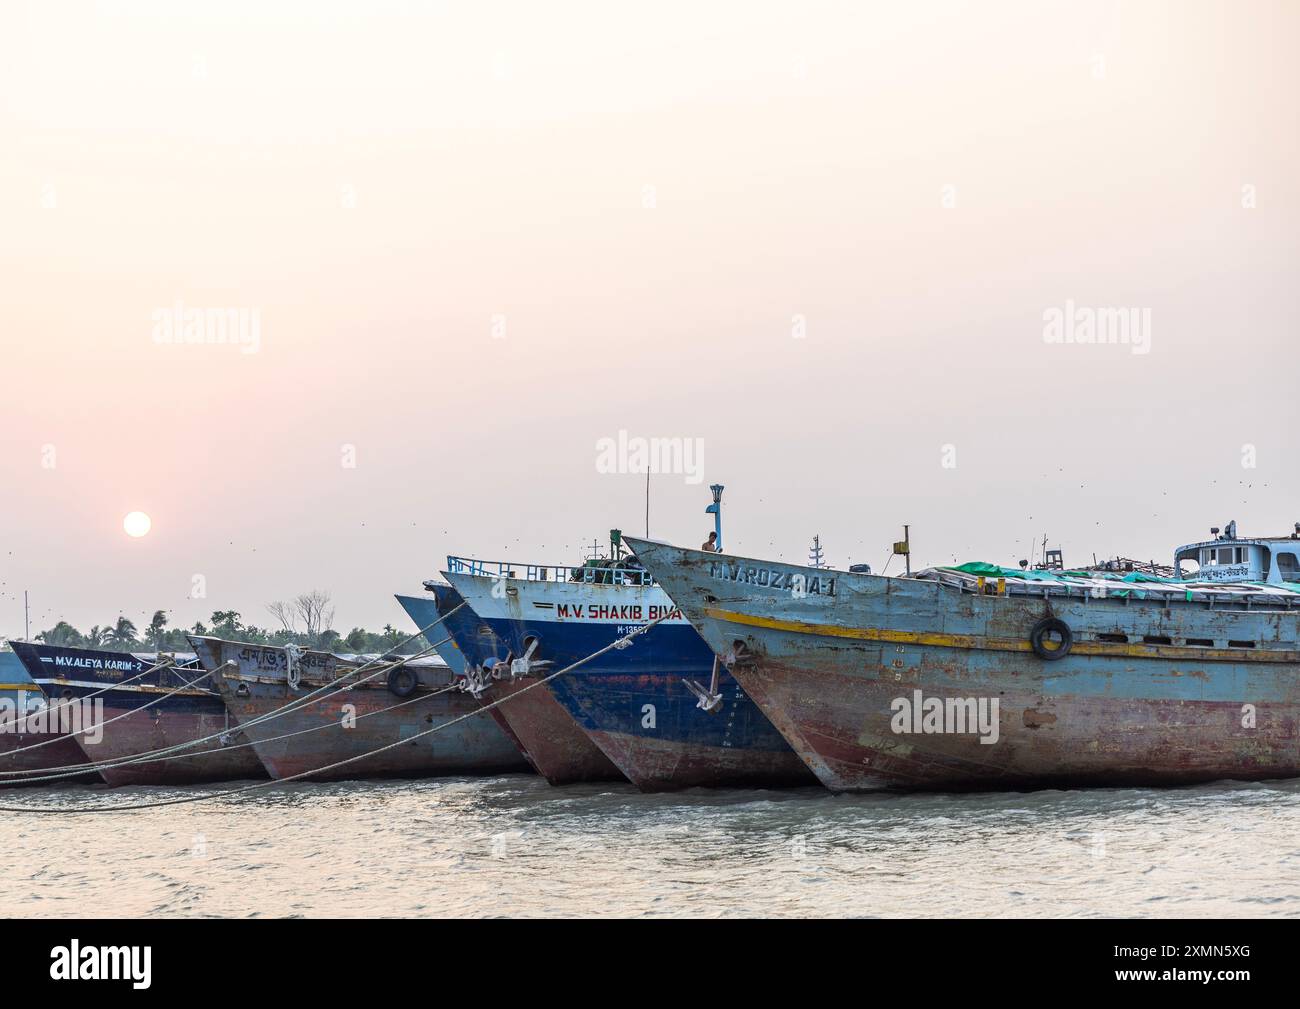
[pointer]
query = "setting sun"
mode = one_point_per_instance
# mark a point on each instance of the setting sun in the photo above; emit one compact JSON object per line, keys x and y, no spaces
{"x":137,"y":524}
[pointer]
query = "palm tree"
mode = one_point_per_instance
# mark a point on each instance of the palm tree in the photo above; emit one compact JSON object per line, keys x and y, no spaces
{"x":158,"y":628}
{"x":62,"y":633}
{"x":122,"y":633}
{"x":95,"y":637}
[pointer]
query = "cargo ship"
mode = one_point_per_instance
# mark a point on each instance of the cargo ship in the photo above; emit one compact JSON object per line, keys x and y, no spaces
{"x":988,"y":677}
{"x":546,"y":734}
{"x":169,"y":706}
{"x":35,"y":744}
{"x":661,"y":709}
{"x":306,"y":721}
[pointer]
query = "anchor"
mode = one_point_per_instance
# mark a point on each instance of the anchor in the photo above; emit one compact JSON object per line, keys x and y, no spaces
{"x":527,"y":665}
{"x":708,"y":700}
{"x":479,"y":678}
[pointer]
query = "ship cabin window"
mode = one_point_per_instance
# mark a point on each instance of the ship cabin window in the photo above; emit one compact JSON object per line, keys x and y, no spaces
{"x":1223,"y":555}
{"x":1288,"y":567}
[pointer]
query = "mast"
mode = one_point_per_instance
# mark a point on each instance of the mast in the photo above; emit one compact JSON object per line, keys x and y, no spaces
{"x":715,"y":510}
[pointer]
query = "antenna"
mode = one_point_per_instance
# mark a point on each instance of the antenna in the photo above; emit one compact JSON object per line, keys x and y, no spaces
{"x":815,"y":554}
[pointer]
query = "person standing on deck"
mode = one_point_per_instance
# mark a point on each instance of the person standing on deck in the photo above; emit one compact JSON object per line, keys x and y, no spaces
{"x":711,"y":544}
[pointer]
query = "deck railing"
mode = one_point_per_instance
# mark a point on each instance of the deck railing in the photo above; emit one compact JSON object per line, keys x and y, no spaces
{"x":549,"y":572}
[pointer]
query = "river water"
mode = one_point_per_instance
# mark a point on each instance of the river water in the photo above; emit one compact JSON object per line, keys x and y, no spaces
{"x":513,"y":845}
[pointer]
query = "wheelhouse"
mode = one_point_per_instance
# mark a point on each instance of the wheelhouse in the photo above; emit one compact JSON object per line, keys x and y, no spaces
{"x":1230,"y":558}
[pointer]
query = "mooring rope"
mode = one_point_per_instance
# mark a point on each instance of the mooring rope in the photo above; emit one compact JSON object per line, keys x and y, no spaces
{"x":149,"y":758}
{"x":293,"y":705}
{"x":100,"y":725}
{"x":300,"y":701}
{"x":265,"y":717}
{"x":4,"y":726}
{"x":173,"y":752}
{"x":619,"y":643}
{"x":402,"y":660}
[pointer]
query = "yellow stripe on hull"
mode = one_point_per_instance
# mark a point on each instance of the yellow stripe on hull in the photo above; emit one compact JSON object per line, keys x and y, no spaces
{"x":972,"y":642}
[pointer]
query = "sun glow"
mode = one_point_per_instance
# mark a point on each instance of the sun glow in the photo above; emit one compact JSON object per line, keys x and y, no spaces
{"x":137,"y":524}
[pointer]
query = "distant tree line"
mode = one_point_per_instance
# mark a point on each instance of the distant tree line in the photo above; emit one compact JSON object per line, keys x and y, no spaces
{"x":304,"y":620}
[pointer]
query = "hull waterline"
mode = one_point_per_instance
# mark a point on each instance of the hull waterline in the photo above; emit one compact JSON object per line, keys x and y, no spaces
{"x":634,"y":702}
{"x":549,"y":738}
{"x":367,"y":730}
{"x":127,"y":728}
{"x":915,"y":684}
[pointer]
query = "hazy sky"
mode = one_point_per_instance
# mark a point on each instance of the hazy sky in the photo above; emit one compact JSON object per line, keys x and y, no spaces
{"x":825,"y":240}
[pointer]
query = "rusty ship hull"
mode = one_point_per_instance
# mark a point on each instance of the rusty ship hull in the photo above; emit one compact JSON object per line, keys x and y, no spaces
{"x":916,"y":683}
{"x":57,"y":753}
{"x":549,"y":737}
{"x":308,"y":735}
{"x":634,"y":703}
{"x":188,"y":715}
{"x":19,"y":761}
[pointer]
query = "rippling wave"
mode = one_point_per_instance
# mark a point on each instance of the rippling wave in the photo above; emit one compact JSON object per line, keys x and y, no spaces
{"x":513,"y":845}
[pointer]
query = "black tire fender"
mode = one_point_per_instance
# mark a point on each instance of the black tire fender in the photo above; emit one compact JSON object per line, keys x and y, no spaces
{"x":1038,"y":636}
{"x":403,"y":681}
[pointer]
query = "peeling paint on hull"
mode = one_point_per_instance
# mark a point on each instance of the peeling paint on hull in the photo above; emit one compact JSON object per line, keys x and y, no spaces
{"x":667,"y":766}
{"x":839,"y":723}
{"x":546,"y":734}
{"x":152,"y":730}
{"x":633,"y":703}
{"x":473,"y":746}
{"x":172,"y":719}
{"x":64,"y":753}
{"x":833,"y":673}
{"x":18,"y":692}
